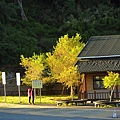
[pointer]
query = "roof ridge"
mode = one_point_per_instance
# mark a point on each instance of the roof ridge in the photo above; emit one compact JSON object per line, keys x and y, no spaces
{"x":104,"y":36}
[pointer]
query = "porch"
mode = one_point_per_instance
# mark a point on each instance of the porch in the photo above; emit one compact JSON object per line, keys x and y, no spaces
{"x":98,"y":95}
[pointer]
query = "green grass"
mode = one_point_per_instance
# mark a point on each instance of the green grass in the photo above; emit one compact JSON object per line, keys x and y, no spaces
{"x":24,"y":99}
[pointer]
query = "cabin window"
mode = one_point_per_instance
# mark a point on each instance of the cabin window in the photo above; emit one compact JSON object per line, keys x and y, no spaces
{"x":98,"y":82}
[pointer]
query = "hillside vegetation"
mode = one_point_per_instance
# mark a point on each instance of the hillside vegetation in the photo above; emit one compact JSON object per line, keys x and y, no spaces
{"x":34,"y":26}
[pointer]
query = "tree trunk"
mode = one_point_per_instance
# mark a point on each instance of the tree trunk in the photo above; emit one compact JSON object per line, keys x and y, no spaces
{"x":72,"y":93}
{"x":110,"y":96}
{"x":23,"y":16}
{"x":111,"y":93}
{"x":63,"y":90}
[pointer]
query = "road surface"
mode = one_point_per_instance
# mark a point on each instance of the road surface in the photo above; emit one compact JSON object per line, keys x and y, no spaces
{"x":57,"y":113}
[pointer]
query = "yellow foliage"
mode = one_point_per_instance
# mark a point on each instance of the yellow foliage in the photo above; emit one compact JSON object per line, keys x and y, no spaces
{"x":70,"y":76}
{"x":112,"y":79}
{"x":63,"y":59}
{"x":34,"y":68}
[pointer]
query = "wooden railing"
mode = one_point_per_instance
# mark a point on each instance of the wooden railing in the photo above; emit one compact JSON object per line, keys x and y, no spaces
{"x":99,"y":95}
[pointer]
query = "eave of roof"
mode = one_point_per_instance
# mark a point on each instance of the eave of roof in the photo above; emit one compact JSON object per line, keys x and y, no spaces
{"x":99,"y":65}
{"x":92,"y":57}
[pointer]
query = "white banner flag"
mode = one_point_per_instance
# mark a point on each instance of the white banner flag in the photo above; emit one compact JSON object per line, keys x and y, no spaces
{"x":18,"y":79}
{"x":3,"y":78}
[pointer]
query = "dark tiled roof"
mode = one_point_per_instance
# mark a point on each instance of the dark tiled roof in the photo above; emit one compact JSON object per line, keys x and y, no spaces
{"x":99,"y":65}
{"x":101,"y":53}
{"x":101,"y":46}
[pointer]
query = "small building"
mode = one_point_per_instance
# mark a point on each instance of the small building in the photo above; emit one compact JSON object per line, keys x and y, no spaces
{"x":100,"y":54}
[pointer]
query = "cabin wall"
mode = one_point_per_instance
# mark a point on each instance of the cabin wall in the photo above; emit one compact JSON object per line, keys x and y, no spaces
{"x":89,"y":82}
{"x":87,"y":90}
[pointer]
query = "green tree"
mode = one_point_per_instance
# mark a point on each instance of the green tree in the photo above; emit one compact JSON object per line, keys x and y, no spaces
{"x":48,"y":20}
{"x":110,"y":81}
{"x":62,"y":61}
{"x":34,"y":67}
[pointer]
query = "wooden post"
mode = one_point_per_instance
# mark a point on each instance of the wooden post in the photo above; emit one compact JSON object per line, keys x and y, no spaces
{"x":85,"y":94}
{"x":95,"y":95}
{"x":79,"y":92}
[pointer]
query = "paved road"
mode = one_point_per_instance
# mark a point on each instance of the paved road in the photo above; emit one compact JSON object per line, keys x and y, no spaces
{"x":7,"y":116}
{"x":57,"y":113}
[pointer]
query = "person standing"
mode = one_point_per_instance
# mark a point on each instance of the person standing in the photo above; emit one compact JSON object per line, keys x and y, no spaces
{"x":29,"y":95}
{"x":33,"y":96}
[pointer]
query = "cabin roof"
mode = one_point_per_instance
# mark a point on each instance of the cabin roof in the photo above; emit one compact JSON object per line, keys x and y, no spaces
{"x":100,"y":54}
{"x":101,"y":46}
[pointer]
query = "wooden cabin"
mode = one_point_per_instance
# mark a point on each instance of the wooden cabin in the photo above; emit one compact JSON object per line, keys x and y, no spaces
{"x":100,"y":54}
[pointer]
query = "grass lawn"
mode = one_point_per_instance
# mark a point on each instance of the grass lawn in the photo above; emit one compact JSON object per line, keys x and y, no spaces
{"x":24,"y":99}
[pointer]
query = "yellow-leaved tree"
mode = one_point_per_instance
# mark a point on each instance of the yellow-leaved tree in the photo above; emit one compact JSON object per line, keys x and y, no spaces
{"x":63,"y":59}
{"x":33,"y":66}
{"x":110,"y":81}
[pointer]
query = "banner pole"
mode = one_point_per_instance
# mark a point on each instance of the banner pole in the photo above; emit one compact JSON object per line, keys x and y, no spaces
{"x":4,"y":93}
{"x":40,"y":95}
{"x":19,"y":93}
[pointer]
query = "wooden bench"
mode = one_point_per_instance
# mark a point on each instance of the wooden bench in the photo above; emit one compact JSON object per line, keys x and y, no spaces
{"x":83,"y":101}
{"x":98,"y":103}
{"x":60,"y":102}
{"x":104,"y":103}
{"x":66,"y":102}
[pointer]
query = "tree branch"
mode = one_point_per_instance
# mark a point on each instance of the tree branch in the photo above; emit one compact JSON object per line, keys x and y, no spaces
{"x":23,"y":16}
